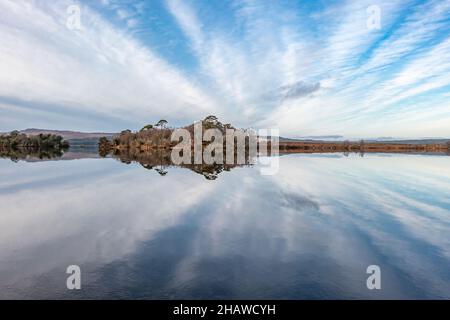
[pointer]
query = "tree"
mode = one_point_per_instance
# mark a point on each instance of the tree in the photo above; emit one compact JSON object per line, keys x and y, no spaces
{"x":211,"y":118}
{"x":161,"y":123}
{"x":212,"y":122}
{"x":147,"y":127}
{"x":16,"y":140}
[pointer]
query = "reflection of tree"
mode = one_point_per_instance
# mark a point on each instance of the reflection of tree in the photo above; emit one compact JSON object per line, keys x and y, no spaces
{"x":29,"y":154}
{"x":161,"y":172}
{"x":160,"y":161}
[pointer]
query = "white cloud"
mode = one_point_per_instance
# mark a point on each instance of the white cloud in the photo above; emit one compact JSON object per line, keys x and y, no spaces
{"x":97,"y":69}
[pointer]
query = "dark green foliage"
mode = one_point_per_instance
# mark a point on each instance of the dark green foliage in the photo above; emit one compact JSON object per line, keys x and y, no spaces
{"x":22,"y":154}
{"x":212,"y":122}
{"x":17,"y":140}
{"x":211,"y":118}
{"x":147,"y":127}
{"x":161,"y":123}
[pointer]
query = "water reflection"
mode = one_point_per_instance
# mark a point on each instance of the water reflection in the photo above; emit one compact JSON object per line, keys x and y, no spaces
{"x":37,"y":155}
{"x":309,"y":231}
{"x":30,"y":154}
{"x":160,"y":161}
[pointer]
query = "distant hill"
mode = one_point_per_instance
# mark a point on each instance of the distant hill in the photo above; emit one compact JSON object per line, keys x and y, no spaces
{"x":69,"y":135}
{"x":388,"y":140}
{"x":414,"y":141}
{"x":332,"y":137}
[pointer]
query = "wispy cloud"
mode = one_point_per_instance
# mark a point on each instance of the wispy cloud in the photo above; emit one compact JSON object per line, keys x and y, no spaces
{"x":98,"y":68}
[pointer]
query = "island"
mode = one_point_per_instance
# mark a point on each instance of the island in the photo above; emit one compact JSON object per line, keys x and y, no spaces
{"x":17,"y":141}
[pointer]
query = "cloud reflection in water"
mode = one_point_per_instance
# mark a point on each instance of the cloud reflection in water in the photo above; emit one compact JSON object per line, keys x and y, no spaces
{"x":309,"y":231}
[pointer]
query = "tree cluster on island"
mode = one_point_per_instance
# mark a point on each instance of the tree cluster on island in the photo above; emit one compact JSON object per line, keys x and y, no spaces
{"x":16,"y":140}
{"x":158,"y":136}
{"x":155,"y":136}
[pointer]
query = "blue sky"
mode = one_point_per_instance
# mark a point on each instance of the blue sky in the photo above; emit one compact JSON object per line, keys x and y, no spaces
{"x":305,"y":67}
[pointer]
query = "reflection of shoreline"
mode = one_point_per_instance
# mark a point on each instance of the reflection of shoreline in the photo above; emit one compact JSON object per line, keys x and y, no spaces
{"x":160,"y":158}
{"x":360,"y":147}
{"x":346,"y":153}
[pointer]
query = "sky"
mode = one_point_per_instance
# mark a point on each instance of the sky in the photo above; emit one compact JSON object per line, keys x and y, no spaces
{"x":307,"y":67}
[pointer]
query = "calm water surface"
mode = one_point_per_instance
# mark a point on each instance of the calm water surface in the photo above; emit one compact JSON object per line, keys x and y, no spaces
{"x":308,"y":232}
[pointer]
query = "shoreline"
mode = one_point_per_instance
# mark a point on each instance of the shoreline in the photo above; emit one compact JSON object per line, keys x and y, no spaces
{"x":316,"y":147}
{"x":369,"y":147}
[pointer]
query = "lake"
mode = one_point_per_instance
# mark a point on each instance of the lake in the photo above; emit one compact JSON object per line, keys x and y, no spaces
{"x":308,"y":232}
